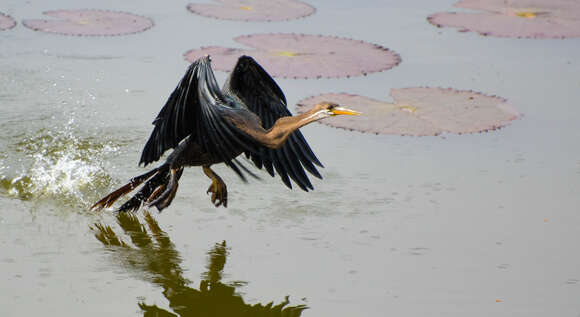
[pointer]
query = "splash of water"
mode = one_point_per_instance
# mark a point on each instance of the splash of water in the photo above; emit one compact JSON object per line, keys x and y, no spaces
{"x":58,"y":165}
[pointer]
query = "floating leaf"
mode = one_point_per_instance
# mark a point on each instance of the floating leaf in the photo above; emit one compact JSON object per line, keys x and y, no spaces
{"x":515,"y":18}
{"x":420,"y":111}
{"x":303,"y":56}
{"x":90,"y":22}
{"x":253,"y":10}
{"x":6,"y":22}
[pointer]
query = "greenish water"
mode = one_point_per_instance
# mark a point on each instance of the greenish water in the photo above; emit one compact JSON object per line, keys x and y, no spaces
{"x":57,"y":165}
{"x":152,"y":256}
{"x":457,"y":225}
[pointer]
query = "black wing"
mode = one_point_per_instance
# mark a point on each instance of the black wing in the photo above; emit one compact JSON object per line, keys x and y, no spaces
{"x":196,"y":109}
{"x":259,"y":92}
{"x":177,"y":118}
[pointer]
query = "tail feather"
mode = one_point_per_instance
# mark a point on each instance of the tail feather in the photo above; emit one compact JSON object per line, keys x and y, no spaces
{"x":152,"y":190}
{"x":110,"y":199}
{"x":151,"y":187}
{"x":155,"y":193}
{"x":164,"y":194}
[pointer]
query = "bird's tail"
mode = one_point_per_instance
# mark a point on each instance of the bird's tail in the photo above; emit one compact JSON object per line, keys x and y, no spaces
{"x":157,"y":181}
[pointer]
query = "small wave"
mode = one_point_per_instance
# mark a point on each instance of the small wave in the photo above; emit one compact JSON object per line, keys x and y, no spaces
{"x":58,"y":165}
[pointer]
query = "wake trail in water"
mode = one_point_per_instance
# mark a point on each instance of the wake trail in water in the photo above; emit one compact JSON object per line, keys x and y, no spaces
{"x":57,"y":164}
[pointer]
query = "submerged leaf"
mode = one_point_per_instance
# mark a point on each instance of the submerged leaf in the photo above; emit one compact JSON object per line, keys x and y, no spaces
{"x":420,"y":111}
{"x":303,"y":56}
{"x":253,"y":10}
{"x":90,"y":22}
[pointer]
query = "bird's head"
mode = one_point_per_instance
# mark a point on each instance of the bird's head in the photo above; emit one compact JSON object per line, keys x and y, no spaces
{"x":327,"y":109}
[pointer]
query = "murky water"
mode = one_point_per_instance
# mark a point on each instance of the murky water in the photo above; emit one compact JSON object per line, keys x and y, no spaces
{"x":470,"y":225}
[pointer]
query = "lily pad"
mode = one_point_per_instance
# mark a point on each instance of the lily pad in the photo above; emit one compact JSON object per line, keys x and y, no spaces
{"x":6,"y":22}
{"x":90,"y":22}
{"x":420,"y":111}
{"x":291,"y":55}
{"x":515,"y":18}
{"x":253,"y":10}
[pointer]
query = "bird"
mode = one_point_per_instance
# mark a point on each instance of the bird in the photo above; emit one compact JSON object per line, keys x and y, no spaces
{"x":206,"y":125}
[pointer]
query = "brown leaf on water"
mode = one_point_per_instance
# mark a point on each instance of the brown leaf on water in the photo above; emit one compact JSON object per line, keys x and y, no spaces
{"x":515,"y":18}
{"x":291,"y":55}
{"x":253,"y":10}
{"x":90,"y":23}
{"x":6,"y":22}
{"x":420,"y":111}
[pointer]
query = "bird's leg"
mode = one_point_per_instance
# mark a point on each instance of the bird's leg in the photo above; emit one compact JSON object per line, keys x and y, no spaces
{"x":162,"y":200}
{"x":218,"y":189}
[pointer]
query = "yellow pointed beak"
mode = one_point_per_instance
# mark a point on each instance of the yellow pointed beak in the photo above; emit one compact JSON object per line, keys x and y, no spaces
{"x":341,"y":110}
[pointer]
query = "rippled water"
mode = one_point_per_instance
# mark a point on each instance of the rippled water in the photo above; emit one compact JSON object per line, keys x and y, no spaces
{"x":57,"y":165}
{"x":477,"y":225}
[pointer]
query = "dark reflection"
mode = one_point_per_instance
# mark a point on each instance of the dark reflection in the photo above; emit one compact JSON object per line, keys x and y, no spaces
{"x":152,"y":255}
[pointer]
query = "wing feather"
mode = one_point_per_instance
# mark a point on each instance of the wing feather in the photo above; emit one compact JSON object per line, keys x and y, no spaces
{"x":197,"y":109}
{"x":175,"y":121}
{"x":259,"y":92}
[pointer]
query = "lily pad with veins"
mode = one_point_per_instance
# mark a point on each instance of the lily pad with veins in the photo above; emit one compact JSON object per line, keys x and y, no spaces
{"x":303,"y":56}
{"x":6,"y":22}
{"x":515,"y":18}
{"x":420,"y":111}
{"x":90,"y":22}
{"x":253,"y":10}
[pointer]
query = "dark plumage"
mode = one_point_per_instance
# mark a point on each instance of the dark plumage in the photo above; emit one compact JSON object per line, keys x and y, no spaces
{"x":205,"y":125}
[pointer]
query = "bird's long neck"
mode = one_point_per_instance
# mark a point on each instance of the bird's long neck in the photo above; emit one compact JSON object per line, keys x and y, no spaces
{"x":283,"y":128}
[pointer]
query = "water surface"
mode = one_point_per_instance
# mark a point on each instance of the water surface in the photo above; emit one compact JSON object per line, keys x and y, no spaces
{"x":456,"y":225}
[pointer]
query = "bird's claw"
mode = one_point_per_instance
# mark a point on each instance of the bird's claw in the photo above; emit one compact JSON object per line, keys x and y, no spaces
{"x":219,"y":193}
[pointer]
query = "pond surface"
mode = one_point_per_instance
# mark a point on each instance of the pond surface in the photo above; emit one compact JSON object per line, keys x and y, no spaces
{"x":454,"y":225}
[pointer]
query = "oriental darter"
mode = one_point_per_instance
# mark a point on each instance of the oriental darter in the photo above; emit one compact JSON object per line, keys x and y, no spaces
{"x":205,"y":125}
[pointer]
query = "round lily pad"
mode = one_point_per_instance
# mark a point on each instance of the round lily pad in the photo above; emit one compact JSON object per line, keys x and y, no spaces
{"x":420,"y":111}
{"x":303,"y":56}
{"x":90,"y":22}
{"x":253,"y":10}
{"x":515,"y":18}
{"x":6,"y":22}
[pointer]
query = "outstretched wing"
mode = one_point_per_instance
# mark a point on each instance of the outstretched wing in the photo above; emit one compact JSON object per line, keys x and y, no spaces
{"x":197,"y":109}
{"x":177,"y":119}
{"x":259,"y":92}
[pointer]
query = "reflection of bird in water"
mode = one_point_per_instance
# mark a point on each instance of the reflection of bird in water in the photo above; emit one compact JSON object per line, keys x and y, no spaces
{"x":154,"y":258}
{"x":205,"y":125}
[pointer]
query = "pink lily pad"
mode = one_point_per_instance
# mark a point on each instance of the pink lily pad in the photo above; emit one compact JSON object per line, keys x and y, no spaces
{"x":253,"y":10}
{"x":515,"y":18}
{"x":420,"y":111}
{"x":90,"y":22}
{"x":6,"y":22}
{"x":303,"y":56}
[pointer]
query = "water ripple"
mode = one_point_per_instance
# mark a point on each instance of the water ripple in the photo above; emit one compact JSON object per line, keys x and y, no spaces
{"x":56,"y":164}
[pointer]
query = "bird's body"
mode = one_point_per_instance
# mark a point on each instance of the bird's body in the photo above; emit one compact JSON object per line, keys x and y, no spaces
{"x":206,"y":125}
